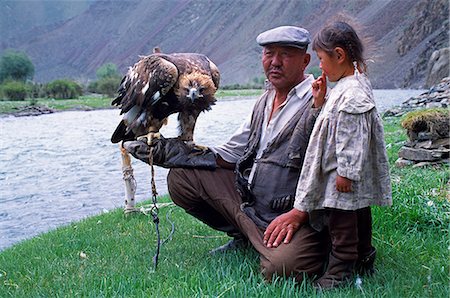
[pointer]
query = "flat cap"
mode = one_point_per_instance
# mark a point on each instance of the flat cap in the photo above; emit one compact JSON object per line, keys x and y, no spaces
{"x":285,"y":35}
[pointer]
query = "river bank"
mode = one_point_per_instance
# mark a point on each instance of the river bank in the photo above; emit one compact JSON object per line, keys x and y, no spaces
{"x":438,"y":96}
{"x":42,"y":106}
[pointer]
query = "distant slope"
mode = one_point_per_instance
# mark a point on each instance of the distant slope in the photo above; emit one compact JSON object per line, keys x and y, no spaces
{"x":74,"y":38}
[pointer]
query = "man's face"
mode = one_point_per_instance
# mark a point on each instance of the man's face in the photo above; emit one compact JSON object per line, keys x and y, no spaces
{"x":284,"y":66}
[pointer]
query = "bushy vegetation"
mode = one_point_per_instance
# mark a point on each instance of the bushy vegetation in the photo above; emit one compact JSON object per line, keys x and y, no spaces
{"x":256,"y":83}
{"x":63,"y":89}
{"x":431,"y":116}
{"x":36,"y":90}
{"x":14,"y":90}
{"x":108,"y":80}
{"x":108,"y":86}
{"x":17,"y":70}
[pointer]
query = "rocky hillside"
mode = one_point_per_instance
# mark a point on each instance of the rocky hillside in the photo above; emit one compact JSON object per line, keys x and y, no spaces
{"x":74,"y":38}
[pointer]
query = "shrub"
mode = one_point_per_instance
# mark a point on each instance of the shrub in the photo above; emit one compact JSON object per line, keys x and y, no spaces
{"x":14,"y":90}
{"x":108,"y":86}
{"x":35,"y":90}
{"x":63,"y":89}
{"x":93,"y":87}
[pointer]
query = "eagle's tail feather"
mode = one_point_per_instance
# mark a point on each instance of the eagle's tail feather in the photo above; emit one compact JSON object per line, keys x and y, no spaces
{"x":121,"y":134}
{"x":117,"y":100}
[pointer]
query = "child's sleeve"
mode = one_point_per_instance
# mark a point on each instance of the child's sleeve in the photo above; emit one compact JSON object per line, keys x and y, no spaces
{"x":352,"y":144}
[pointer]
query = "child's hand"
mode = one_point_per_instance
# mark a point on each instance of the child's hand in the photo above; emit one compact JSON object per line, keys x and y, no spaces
{"x":343,"y":184}
{"x":319,"y":89}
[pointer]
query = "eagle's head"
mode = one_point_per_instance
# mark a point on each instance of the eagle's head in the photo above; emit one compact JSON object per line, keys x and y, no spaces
{"x":195,"y":86}
{"x":194,"y":90}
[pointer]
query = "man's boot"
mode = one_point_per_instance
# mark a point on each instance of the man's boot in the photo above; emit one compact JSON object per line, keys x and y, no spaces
{"x":366,"y":252}
{"x":343,"y":230}
{"x":239,"y":242}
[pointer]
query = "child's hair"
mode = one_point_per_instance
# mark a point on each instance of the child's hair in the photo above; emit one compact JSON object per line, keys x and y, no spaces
{"x":341,"y":34}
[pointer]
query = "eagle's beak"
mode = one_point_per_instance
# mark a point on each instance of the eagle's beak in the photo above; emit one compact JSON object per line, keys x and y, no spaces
{"x":193,"y":94}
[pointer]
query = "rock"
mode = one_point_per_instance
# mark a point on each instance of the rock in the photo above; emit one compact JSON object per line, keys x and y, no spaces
{"x":429,"y":163}
{"x":401,"y":163}
{"x":441,"y":143}
{"x":423,"y":164}
{"x":33,"y":111}
{"x":419,"y":154}
{"x":424,"y":144}
{"x":438,"y":66}
{"x":433,"y":144}
{"x":433,"y":105}
{"x":395,"y":112}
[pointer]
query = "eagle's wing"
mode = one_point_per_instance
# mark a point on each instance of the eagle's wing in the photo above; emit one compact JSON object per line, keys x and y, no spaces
{"x":215,"y":74}
{"x":144,"y":85}
{"x":146,"y":82}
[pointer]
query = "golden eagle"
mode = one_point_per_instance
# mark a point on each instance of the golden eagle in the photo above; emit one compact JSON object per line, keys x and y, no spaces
{"x":159,"y":85}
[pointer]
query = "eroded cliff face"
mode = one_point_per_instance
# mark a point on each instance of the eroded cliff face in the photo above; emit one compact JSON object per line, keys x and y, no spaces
{"x":73,"y":41}
{"x":427,"y":34}
{"x":438,"y":67}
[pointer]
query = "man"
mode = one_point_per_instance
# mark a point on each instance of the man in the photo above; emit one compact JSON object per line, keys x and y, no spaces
{"x":266,"y":154}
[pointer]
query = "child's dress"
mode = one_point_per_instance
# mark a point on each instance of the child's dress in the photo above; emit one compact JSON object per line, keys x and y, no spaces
{"x":347,"y":140}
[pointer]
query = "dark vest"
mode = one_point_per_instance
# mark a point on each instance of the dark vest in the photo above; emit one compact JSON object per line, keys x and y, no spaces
{"x":274,"y":183}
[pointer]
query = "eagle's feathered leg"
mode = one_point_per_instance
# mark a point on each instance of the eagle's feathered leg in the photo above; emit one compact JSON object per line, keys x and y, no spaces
{"x":153,"y":131}
{"x":187,"y":124}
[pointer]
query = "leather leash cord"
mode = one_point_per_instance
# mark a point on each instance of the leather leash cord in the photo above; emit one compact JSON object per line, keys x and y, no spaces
{"x":154,"y":210}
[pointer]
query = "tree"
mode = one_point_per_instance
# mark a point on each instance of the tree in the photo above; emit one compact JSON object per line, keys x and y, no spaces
{"x":15,"y":66}
{"x":108,"y":70}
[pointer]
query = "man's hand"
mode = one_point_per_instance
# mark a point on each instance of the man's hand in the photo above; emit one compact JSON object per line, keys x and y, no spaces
{"x":343,"y":184}
{"x":172,"y":153}
{"x":319,"y":90}
{"x":283,"y":227}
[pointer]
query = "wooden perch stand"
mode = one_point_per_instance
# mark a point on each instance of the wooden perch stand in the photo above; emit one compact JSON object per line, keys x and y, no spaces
{"x":130,"y":182}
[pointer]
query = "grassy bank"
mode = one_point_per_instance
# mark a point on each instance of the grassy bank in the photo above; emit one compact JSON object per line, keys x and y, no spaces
{"x":412,"y":239}
{"x":93,"y":102}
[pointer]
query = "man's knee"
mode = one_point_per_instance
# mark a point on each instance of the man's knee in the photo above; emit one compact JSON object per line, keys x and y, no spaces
{"x":273,"y":268}
{"x":178,"y":185}
{"x":285,"y":265}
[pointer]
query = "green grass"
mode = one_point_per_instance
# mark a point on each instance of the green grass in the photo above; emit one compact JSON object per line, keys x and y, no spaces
{"x":95,"y":102}
{"x":241,"y":92}
{"x":81,"y":103}
{"x":412,"y":238}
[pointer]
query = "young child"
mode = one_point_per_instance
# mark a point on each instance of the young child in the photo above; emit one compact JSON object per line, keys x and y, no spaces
{"x":346,"y":166}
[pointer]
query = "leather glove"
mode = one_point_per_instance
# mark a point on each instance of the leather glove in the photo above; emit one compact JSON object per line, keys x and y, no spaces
{"x":172,"y":153}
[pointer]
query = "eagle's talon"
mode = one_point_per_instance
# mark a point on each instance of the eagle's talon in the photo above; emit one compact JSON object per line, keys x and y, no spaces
{"x":148,"y":138}
{"x":200,"y":148}
{"x":197,"y":149}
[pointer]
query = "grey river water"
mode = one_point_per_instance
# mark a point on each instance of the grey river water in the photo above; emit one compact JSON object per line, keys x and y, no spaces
{"x":61,"y":167}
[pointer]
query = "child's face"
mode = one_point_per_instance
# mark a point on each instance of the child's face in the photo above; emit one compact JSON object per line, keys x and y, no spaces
{"x":329,"y":65}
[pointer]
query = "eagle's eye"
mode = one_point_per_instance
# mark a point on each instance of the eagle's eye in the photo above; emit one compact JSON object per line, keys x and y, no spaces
{"x":201,"y":88}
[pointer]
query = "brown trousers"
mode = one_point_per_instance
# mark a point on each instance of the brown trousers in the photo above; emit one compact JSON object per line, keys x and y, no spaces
{"x":211,"y":197}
